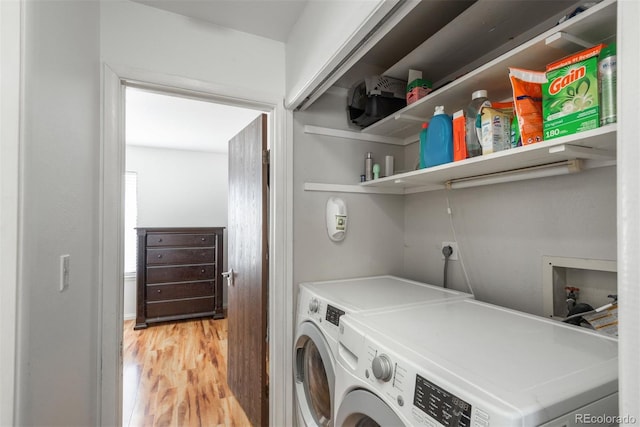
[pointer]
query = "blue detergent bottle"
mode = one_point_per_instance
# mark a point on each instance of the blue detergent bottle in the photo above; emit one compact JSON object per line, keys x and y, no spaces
{"x":439,"y":140}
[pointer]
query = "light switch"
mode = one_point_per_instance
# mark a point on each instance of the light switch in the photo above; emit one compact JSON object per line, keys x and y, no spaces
{"x":64,"y":272}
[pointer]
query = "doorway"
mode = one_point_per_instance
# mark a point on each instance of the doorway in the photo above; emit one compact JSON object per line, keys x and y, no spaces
{"x":111,"y":226}
{"x":176,"y":164}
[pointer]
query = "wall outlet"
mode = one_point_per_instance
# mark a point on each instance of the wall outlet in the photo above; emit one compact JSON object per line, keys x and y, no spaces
{"x":454,"y":246}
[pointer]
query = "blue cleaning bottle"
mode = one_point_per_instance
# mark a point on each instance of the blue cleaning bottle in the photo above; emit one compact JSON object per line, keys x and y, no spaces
{"x":439,"y":140}
{"x":423,"y":145}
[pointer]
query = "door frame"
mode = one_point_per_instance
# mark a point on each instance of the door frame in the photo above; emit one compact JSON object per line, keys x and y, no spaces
{"x":111,"y":213}
{"x":11,"y":88}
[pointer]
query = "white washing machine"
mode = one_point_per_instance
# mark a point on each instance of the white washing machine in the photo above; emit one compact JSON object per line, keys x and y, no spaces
{"x":467,"y":363}
{"x":320,"y":307}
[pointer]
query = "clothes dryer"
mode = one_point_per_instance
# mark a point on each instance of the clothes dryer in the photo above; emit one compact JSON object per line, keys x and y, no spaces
{"x":468,"y":363}
{"x":320,"y":308}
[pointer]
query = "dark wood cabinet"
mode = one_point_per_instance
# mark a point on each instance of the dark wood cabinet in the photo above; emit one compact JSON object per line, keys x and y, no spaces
{"x":179,"y":274}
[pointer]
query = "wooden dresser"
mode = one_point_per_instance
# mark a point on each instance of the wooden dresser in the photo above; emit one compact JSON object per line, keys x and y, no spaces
{"x":179,"y":274}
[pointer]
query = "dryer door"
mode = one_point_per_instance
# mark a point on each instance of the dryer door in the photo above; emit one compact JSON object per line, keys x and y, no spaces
{"x":314,"y":375}
{"x":360,"y":408}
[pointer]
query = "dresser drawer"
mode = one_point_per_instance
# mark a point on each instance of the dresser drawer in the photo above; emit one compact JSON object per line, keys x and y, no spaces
{"x":173,"y":239}
{"x":179,"y":291}
{"x":180,"y":307}
{"x":189,"y":273}
{"x":180,"y":256}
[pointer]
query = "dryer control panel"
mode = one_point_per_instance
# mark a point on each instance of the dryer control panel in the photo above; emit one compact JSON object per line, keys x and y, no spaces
{"x":324,"y":315}
{"x":333,"y":314}
{"x":439,"y":404}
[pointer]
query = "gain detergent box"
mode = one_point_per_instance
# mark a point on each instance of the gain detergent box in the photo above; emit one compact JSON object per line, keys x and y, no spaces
{"x":570,"y":96}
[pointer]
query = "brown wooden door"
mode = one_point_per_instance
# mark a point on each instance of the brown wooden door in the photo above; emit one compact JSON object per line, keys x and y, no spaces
{"x":247,"y":249}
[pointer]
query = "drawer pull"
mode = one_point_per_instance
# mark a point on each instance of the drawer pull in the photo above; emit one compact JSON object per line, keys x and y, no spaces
{"x":159,"y":256}
{"x":203,"y":271}
{"x":159,"y":291}
{"x":203,"y":239}
{"x":160,"y":240}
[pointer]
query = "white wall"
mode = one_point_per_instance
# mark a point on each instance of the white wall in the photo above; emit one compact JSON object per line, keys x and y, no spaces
{"x":322,"y":36}
{"x":141,"y":37}
{"x":504,"y":230}
{"x":374,"y":240}
{"x":129,"y":298}
{"x":57,"y":347}
{"x":178,"y":188}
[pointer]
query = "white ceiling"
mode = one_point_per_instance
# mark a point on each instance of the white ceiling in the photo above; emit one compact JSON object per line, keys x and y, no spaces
{"x":272,"y":19}
{"x":164,"y":121}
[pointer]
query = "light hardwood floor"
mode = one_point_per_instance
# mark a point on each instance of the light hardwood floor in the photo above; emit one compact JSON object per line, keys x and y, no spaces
{"x":175,"y":374}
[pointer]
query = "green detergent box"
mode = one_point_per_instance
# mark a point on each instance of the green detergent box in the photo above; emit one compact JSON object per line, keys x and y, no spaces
{"x":570,"y":101}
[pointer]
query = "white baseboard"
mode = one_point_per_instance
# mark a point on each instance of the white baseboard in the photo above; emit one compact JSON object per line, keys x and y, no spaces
{"x":129,"y":316}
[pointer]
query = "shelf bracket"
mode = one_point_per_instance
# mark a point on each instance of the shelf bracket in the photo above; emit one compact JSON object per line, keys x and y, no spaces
{"x":578,"y":152}
{"x":566,"y":42}
{"x":349,"y":134}
{"x":342,"y":188}
{"x":410,"y":118}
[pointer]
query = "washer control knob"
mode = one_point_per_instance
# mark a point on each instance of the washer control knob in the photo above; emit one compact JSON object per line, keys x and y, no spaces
{"x":314,"y":305}
{"x":381,"y":367}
